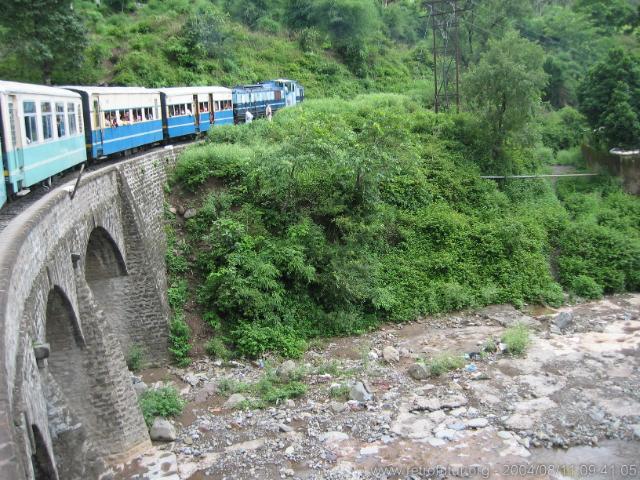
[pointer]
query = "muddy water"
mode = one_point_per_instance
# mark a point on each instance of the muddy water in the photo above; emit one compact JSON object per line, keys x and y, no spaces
{"x":610,"y":459}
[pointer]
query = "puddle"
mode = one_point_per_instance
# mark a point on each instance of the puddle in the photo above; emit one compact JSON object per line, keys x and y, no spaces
{"x":610,"y":459}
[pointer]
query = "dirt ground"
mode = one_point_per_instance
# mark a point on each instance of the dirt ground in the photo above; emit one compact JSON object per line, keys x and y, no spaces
{"x":568,"y":408}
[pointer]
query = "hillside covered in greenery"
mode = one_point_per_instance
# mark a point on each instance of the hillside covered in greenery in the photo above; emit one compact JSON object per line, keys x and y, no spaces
{"x":337,"y":216}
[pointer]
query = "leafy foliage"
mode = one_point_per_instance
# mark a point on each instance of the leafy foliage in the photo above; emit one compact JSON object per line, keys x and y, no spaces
{"x":160,"y":402}
{"x":319,"y":224}
{"x":505,"y":88}
{"x":46,"y":39}
{"x":610,"y":99}
{"x":516,"y":339}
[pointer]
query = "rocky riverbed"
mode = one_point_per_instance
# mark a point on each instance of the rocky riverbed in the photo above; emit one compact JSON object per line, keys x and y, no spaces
{"x":568,"y":408}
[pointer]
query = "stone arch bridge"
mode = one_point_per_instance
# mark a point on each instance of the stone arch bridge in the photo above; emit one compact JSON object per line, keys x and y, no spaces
{"x":82,"y":281}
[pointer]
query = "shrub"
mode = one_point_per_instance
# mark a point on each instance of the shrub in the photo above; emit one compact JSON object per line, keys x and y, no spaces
{"x":179,"y":345}
{"x":337,"y":216}
{"x":160,"y":402}
{"x":516,"y":339}
{"x":586,"y":287}
{"x":135,"y":358}
{"x":217,"y":349}
{"x":254,"y":339}
{"x":444,"y":363}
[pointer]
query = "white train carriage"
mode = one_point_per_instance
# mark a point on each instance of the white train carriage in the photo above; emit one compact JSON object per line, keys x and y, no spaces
{"x":41,"y":134}
{"x":118,"y":119}
{"x":191,"y":110}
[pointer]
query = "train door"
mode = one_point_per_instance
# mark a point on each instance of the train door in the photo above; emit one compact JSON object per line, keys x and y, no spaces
{"x":99,"y":126}
{"x":212,"y":115}
{"x":290,"y":94}
{"x":15,"y":143}
{"x":196,"y":113}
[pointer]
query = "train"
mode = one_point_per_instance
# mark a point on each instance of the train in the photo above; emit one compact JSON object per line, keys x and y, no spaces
{"x":47,"y":130}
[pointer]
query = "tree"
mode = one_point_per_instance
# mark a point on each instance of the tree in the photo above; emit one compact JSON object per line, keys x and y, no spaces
{"x":45,"y":35}
{"x":505,"y":87}
{"x":608,"y":14}
{"x":621,"y":127}
{"x":614,"y":79}
{"x":350,"y":24}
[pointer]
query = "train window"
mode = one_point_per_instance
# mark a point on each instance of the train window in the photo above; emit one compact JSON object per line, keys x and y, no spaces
{"x":204,"y":107}
{"x":71,"y":114}
{"x":148,"y":113}
{"x":137,"y":115}
{"x":47,"y":120}
{"x":80,"y":122}
{"x":60,"y":120}
{"x":125,"y":117}
{"x":30,"y":123}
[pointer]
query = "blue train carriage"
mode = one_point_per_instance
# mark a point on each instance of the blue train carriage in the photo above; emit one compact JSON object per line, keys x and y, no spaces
{"x":292,"y":91}
{"x":41,"y":134}
{"x":255,"y":99}
{"x":119,"y":119}
{"x":192,"y":110}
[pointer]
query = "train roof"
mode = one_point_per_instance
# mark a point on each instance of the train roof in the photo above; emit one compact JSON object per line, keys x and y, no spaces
{"x":112,"y":90}
{"x":252,"y":87}
{"x":17,"y":87}
{"x":195,"y":90}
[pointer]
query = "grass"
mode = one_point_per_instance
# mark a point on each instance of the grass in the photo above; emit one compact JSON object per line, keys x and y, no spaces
{"x":217,"y":349}
{"x":516,"y":339}
{"x":340,"y":392}
{"x":161,"y":402}
{"x":135,"y":358}
{"x":268,"y":390}
{"x":443,"y":363}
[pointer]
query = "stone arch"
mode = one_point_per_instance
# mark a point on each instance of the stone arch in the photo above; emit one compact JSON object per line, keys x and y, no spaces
{"x":103,"y":259}
{"x":43,"y":466}
{"x":106,"y":274}
{"x":67,"y":362}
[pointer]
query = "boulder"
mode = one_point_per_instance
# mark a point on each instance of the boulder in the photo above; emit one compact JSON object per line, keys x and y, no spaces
{"x":563,"y":320}
{"x":333,"y":437}
{"x":360,"y":393}
{"x":234,"y":400}
{"x":390,"y":354}
{"x":477,"y":423}
{"x":418,"y":371}
{"x":285,"y":370}
{"x":162,"y":430}
{"x":190,"y":213}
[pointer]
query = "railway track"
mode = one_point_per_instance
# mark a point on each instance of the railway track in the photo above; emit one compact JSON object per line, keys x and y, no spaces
{"x":18,"y":205}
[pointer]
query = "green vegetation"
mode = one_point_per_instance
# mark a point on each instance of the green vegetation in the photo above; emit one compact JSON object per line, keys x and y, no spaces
{"x":177,"y":265}
{"x":268,"y":390}
{"x":337,"y":216}
{"x":160,"y":402}
{"x":443,"y":363}
{"x":610,"y":98}
{"x":135,"y":358}
{"x":340,"y":392}
{"x":216,"y":348}
{"x":516,"y":339}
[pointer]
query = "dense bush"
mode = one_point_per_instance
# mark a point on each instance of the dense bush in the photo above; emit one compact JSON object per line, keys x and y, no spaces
{"x":160,"y":402}
{"x":600,"y":250}
{"x":336,"y":216}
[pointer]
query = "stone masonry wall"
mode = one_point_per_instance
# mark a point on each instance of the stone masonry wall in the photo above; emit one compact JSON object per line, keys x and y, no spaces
{"x":42,"y":281}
